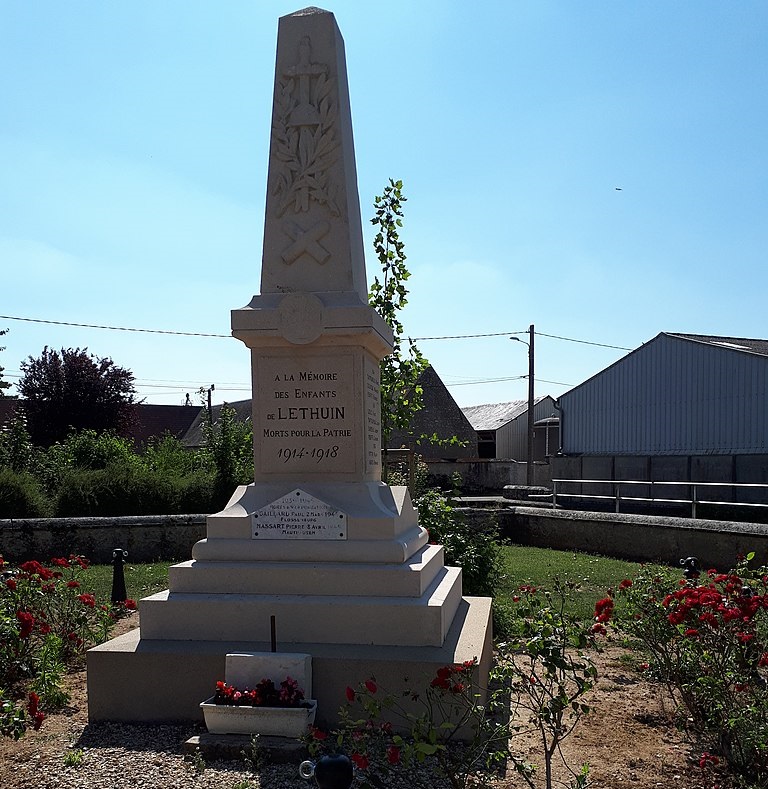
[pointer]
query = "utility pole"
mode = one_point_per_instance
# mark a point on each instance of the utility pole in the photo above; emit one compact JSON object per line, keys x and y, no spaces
{"x":529,"y":469}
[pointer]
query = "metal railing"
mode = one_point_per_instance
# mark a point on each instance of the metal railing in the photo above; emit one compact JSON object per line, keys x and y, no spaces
{"x":620,"y":488}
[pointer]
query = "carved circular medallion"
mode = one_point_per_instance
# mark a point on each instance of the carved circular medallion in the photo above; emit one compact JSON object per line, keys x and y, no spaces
{"x":301,"y":318}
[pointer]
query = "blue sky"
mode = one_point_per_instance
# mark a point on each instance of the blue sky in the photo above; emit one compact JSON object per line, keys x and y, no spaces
{"x":133,"y":160}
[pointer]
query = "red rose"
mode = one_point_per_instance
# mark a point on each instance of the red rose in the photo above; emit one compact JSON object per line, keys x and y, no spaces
{"x":27,"y":622}
{"x":11,"y":584}
{"x":393,"y":754}
{"x":371,"y":686}
{"x":361,"y":760}
{"x":130,"y":604}
{"x":73,"y":585}
{"x":350,"y":694}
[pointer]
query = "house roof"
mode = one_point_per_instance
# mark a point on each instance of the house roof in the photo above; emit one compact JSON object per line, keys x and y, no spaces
{"x":154,"y":420}
{"x":735,"y":344}
{"x":439,"y":415}
{"x":195,"y":437}
{"x":7,"y":409}
{"x":492,"y":416}
{"x":744,"y":344}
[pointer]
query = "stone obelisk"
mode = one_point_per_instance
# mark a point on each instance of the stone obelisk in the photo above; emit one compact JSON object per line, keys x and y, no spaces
{"x":317,"y":541}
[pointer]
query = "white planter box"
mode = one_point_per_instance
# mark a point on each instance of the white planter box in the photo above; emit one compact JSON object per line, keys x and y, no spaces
{"x":271,"y":721}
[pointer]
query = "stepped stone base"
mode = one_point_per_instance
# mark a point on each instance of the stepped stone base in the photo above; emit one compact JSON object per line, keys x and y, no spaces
{"x":134,"y":679}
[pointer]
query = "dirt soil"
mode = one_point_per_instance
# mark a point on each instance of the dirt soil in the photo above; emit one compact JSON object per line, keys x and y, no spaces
{"x":629,"y":740}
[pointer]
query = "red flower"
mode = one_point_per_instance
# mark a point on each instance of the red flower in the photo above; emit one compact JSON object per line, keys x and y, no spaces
{"x":393,"y":754}
{"x":361,"y":760}
{"x":625,"y":584}
{"x":39,"y":717}
{"x":692,"y":632}
{"x":73,"y":585}
{"x":33,"y":702}
{"x":745,"y":638}
{"x":350,"y":694}
{"x":599,"y":628}
{"x":11,"y":584}
{"x":58,"y":562}
{"x":371,"y":686}
{"x":317,"y":734}
{"x":130,"y":604}
{"x":708,"y":757}
{"x":27,"y":622}
{"x":87,"y":600}
{"x":763,"y":659}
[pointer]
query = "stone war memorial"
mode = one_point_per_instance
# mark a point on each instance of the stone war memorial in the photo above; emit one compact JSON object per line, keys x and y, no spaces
{"x":317,"y":550}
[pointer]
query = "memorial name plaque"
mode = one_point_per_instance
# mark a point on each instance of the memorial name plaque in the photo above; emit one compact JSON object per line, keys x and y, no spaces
{"x":299,"y":516}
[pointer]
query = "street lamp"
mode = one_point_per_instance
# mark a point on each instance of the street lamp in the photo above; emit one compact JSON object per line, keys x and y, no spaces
{"x":529,"y":464}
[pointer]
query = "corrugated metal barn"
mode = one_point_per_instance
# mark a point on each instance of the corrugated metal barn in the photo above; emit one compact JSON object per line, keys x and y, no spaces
{"x":502,"y":428}
{"x":679,"y":394}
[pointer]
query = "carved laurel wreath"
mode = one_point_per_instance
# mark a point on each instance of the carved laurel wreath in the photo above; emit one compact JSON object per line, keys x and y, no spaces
{"x":305,"y":154}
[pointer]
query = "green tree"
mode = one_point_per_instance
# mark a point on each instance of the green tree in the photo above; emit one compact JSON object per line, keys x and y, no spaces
{"x":3,"y":384}
{"x":74,"y":389}
{"x":401,"y":394}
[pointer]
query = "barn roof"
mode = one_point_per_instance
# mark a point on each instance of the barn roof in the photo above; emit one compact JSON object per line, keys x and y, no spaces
{"x":491,"y":416}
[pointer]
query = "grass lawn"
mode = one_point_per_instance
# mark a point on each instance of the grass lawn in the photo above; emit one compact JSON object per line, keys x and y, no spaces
{"x":593,"y":575}
{"x":141,"y":580}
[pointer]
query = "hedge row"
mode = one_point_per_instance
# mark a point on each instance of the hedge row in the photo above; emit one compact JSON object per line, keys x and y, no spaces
{"x":113,"y":491}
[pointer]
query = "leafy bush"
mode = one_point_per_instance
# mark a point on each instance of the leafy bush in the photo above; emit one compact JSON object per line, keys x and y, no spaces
{"x":474,"y":550}
{"x":21,"y":496}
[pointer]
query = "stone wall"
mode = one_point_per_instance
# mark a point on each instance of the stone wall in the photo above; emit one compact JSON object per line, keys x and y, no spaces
{"x":487,"y":476}
{"x":146,"y":538}
{"x":639,"y":538}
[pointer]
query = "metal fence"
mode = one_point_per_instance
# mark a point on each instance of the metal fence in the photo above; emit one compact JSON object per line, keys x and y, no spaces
{"x":623,"y":490}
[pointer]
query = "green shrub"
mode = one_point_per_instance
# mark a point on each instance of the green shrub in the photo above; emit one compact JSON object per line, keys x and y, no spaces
{"x":474,"y":550}
{"x":21,"y":496}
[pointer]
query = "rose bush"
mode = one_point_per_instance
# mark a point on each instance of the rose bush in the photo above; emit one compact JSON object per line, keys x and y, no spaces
{"x":47,"y":621}
{"x":708,"y":641}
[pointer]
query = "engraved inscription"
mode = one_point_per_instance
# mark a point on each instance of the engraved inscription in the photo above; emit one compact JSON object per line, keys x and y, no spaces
{"x":305,"y":138}
{"x":299,"y":516}
{"x":372,"y":416}
{"x":307,"y":414}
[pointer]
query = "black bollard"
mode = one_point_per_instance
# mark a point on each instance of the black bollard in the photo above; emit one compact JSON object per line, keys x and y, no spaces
{"x":330,"y":771}
{"x":691,"y":568}
{"x":118,"y":575}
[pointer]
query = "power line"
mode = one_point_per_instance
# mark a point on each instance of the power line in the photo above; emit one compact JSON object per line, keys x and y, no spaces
{"x":584,"y":342}
{"x":229,"y":336}
{"x":462,"y":336}
{"x":114,"y":328}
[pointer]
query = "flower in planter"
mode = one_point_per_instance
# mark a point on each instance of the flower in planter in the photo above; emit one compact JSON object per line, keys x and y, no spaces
{"x":265,"y":694}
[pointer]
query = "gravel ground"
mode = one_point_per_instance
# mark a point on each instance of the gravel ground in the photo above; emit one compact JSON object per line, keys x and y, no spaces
{"x":121,"y":756}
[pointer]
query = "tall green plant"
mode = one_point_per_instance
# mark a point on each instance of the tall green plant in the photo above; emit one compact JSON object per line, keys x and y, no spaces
{"x":401,"y":395}
{"x":229,"y":443}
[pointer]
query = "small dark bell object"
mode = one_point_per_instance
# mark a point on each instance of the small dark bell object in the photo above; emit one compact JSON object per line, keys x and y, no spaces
{"x":334,"y":772}
{"x":691,"y":567}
